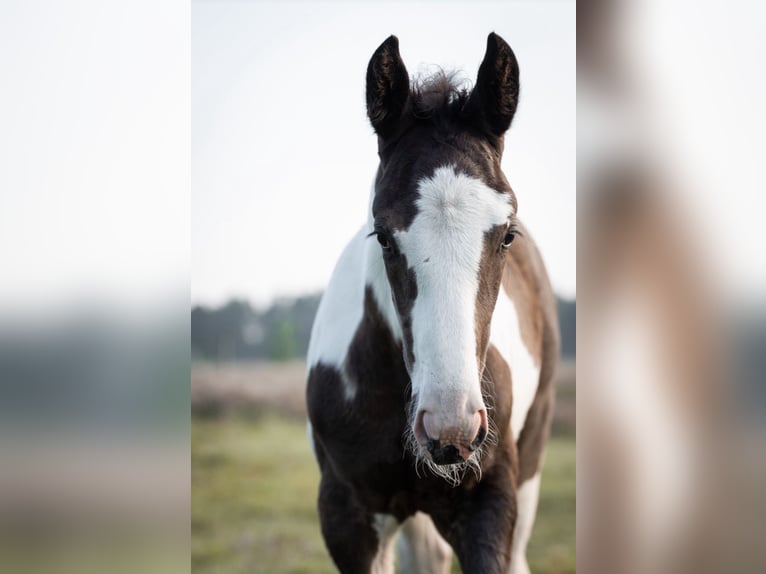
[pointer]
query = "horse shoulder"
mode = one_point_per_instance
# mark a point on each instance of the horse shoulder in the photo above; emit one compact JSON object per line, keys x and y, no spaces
{"x":524,"y":317}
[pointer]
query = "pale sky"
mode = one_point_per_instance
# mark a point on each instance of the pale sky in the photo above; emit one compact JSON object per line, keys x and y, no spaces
{"x":283,"y":156}
{"x":98,"y":162}
{"x":94,"y":141}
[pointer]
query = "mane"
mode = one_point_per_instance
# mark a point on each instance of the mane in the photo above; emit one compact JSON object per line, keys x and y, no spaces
{"x":440,"y":95}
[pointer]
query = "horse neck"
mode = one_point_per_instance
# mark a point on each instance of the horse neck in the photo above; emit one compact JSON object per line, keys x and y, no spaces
{"x":375,"y":276}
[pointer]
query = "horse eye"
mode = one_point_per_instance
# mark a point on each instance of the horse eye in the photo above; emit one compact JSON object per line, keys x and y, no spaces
{"x":508,"y":239}
{"x":383,"y":240}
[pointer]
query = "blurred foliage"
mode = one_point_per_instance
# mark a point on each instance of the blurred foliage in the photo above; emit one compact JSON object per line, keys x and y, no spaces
{"x":97,"y":370}
{"x":567,"y":310}
{"x":284,"y":342}
{"x":237,"y":331}
{"x":255,"y":511}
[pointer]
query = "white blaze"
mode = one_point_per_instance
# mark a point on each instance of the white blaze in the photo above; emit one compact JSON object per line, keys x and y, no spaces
{"x":444,"y":245}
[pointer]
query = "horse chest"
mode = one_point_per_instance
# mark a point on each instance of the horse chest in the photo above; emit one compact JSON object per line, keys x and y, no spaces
{"x":361,"y":435}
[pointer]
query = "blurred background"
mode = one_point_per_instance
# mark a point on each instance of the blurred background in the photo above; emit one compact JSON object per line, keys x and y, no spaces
{"x":283,"y":158}
{"x":94,"y":286}
{"x":97,"y":345}
{"x":672,"y":283}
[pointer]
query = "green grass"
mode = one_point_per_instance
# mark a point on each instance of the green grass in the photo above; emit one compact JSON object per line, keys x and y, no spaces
{"x":552,"y":546}
{"x":255,"y":512}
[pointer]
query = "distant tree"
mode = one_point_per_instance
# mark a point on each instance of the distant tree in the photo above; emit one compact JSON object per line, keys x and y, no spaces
{"x":284,"y":344}
{"x":220,"y":334}
{"x":568,"y":327}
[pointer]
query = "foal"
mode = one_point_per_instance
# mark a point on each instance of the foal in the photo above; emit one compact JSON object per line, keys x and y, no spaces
{"x":431,"y":360}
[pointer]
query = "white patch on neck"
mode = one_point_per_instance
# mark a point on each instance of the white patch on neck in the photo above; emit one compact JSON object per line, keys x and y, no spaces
{"x":444,"y":245}
{"x":340,"y":313}
{"x":505,"y":335}
{"x":342,"y":306}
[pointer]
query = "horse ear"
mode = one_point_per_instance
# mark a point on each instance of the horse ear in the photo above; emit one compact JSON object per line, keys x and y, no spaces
{"x":493,"y":101}
{"x":388,"y":87}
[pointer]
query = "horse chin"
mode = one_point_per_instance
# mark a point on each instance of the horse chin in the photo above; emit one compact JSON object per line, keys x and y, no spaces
{"x":452,"y":473}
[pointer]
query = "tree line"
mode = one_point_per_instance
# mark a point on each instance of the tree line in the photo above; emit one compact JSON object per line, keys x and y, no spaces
{"x":239,"y":331}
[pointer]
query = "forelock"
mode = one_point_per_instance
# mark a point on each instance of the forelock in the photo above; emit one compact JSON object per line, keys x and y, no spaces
{"x":439,"y":95}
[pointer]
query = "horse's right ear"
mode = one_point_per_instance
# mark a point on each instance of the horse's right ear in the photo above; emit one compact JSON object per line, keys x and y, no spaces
{"x":388,"y":87}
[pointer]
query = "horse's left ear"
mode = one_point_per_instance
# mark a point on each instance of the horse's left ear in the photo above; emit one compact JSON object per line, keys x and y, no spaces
{"x":493,"y":100}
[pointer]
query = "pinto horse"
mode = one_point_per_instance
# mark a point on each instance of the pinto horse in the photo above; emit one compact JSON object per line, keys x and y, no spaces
{"x":431,"y":362}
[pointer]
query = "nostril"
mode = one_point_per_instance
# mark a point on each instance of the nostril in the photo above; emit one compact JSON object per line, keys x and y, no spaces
{"x":450,"y":444}
{"x":478,"y":440}
{"x":481,"y":434}
{"x":420,"y":431}
{"x":432,"y":445}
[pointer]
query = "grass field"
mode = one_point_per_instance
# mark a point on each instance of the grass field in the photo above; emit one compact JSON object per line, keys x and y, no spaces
{"x":254,"y":511}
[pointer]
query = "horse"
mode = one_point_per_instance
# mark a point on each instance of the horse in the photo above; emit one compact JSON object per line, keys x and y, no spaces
{"x":431,"y":360}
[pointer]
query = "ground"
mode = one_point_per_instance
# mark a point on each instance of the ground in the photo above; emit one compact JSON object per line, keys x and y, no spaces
{"x":255,"y":481}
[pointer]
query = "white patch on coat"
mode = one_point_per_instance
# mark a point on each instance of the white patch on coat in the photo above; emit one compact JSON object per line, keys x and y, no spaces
{"x":342,"y":306}
{"x":340,"y":312}
{"x":375,"y":275}
{"x":526,"y":503}
{"x":421,"y":549}
{"x":444,"y":246}
{"x":310,"y":435}
{"x":386,"y":527}
{"x":376,"y":278}
{"x":505,"y":335}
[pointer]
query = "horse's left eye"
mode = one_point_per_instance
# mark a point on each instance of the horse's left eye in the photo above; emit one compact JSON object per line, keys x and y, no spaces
{"x":385,"y":243}
{"x":508,"y":239}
